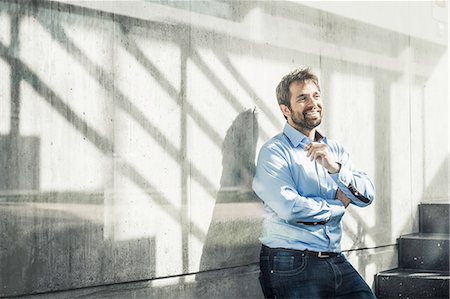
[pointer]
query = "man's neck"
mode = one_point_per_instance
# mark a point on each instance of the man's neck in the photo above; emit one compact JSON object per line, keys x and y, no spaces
{"x":311,"y":134}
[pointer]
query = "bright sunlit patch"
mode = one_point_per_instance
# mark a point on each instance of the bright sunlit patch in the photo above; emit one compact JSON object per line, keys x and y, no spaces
{"x":69,"y":160}
{"x":204,"y":154}
{"x":164,"y":282}
{"x":208,"y":98}
{"x":350,"y":116}
{"x":5,"y":97}
{"x":436,"y":127}
{"x":132,"y":212}
{"x":151,"y":159}
{"x":169,"y":259}
{"x":78,"y":87}
{"x":201,"y":207}
{"x":92,"y":39}
{"x":166,"y":66}
{"x":149,"y":99}
{"x":195,"y":253}
{"x":5,"y":29}
{"x":358,"y":228}
{"x":370,"y":271}
{"x":261,"y":91}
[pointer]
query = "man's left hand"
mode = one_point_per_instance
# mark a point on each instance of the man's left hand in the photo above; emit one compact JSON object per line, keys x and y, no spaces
{"x":319,"y":152}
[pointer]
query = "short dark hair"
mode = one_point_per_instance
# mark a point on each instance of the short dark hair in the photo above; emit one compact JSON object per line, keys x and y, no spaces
{"x":300,"y":74}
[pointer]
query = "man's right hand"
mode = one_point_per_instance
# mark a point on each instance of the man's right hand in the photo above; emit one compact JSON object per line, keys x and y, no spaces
{"x":340,"y":195}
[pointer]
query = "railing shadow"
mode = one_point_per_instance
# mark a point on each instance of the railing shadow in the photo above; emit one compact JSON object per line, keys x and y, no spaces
{"x":238,"y":146}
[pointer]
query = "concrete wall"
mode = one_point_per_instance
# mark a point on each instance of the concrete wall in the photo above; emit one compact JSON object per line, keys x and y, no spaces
{"x":129,"y":130}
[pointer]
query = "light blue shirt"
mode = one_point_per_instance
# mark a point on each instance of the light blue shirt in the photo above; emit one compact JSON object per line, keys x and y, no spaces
{"x":296,"y":190}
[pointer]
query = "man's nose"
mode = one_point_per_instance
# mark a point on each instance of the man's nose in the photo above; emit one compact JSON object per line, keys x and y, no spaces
{"x":311,"y":102}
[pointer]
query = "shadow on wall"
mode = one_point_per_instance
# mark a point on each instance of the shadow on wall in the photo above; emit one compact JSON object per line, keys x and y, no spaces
{"x":19,"y":155}
{"x":232,"y":238}
{"x":72,"y":242}
{"x":238,"y":152}
{"x":19,"y":158}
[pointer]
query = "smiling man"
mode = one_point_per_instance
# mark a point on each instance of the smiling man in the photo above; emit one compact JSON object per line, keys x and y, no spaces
{"x":306,"y":182}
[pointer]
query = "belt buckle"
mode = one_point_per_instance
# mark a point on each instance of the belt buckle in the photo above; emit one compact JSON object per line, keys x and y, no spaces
{"x":322,"y":255}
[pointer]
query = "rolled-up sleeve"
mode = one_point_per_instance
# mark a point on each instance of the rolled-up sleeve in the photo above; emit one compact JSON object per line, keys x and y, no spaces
{"x":273,"y":183}
{"x":355,"y":184}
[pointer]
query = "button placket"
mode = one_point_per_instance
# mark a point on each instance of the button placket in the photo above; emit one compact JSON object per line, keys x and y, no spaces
{"x":319,"y":181}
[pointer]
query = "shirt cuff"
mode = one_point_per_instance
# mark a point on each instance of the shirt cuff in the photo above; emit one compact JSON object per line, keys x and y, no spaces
{"x":343,"y":177}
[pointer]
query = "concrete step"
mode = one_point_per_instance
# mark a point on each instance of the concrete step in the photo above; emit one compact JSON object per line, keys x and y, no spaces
{"x":434,"y":217}
{"x":407,"y":283}
{"x":424,"y":251}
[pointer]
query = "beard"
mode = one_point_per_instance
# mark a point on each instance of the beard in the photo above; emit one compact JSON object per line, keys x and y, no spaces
{"x":306,"y":121}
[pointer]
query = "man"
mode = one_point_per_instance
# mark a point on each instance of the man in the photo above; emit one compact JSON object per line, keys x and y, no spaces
{"x":306,"y":182}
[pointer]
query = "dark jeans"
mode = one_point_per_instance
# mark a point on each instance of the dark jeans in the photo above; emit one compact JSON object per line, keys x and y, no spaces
{"x":293,"y":274}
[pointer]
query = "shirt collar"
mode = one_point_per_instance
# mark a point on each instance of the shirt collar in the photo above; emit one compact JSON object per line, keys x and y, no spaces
{"x":298,"y":138}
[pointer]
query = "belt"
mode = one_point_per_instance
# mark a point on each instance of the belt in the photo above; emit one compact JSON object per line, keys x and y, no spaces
{"x":313,"y":223}
{"x":322,"y":254}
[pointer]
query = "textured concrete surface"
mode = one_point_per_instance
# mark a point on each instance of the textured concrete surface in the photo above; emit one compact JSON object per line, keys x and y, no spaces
{"x":129,"y":130}
{"x":239,"y":282}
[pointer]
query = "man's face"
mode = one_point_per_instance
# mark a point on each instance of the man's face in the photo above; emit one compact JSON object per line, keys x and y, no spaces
{"x":306,"y":108}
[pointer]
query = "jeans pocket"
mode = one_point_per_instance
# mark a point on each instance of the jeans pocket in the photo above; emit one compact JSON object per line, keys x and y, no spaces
{"x":289,"y":265}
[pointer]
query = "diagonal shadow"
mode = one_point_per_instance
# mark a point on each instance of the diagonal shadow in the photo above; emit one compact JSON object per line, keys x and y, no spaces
{"x":214,"y":79}
{"x":62,"y":108}
{"x":132,"y":48}
{"x":101,"y":142}
{"x":107,"y":81}
{"x":15,"y":79}
{"x":246,"y":86}
{"x":358,"y":235}
{"x":129,"y":171}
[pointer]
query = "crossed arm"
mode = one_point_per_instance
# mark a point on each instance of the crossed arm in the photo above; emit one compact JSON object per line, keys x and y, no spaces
{"x":274,"y":184}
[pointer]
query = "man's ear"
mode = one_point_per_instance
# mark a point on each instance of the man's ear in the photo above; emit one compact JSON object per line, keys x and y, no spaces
{"x":285,"y":110}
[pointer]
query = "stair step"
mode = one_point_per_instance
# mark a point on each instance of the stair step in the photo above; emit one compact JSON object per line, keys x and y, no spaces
{"x":434,"y":217}
{"x":408,"y":283}
{"x":424,"y":251}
